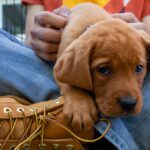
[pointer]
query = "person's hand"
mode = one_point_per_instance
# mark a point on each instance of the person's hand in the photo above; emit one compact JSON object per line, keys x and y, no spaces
{"x":46,"y":32}
{"x":131,"y":19}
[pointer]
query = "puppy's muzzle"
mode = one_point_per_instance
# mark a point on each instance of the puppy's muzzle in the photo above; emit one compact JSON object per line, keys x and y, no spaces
{"x":128,"y":104}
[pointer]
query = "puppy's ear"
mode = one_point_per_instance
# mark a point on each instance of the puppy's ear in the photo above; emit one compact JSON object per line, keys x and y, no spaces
{"x":73,"y":66}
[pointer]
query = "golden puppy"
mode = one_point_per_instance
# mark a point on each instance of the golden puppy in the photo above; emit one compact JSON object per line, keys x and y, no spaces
{"x":101,"y":60}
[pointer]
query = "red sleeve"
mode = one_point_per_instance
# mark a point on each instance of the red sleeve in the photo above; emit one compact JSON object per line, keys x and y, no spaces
{"x":26,"y":2}
{"x":146,"y":8}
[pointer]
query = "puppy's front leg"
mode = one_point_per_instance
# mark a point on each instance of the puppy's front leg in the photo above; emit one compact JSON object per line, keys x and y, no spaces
{"x":79,"y":108}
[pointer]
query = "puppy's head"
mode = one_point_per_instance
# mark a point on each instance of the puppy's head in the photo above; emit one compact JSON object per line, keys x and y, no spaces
{"x":109,"y":59}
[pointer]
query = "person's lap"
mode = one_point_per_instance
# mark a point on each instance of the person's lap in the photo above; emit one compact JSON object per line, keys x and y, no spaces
{"x":25,"y":75}
{"x":22,"y":73}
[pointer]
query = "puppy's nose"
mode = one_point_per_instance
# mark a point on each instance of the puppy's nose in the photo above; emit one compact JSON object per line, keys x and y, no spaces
{"x":127,"y":103}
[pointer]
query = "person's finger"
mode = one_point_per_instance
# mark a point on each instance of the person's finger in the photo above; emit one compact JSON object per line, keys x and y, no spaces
{"x":46,"y":34}
{"x":139,"y":26}
{"x":62,"y":11}
{"x":44,"y":18}
{"x":127,"y":17}
{"x":48,"y":57}
{"x":43,"y":46}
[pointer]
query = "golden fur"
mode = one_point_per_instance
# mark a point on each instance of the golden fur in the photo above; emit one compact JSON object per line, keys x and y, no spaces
{"x":91,"y":40}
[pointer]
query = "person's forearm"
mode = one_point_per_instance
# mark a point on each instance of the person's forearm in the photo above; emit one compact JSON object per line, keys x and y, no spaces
{"x":146,"y":20}
{"x":31,"y":11}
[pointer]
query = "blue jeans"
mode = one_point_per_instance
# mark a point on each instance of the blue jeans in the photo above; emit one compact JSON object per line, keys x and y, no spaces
{"x":25,"y":75}
{"x":22,"y":73}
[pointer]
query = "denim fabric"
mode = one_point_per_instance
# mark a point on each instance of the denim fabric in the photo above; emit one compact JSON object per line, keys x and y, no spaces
{"x":25,"y":75}
{"x":22,"y":73}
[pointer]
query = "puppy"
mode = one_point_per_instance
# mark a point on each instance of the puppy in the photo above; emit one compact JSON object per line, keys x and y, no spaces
{"x":101,"y":64}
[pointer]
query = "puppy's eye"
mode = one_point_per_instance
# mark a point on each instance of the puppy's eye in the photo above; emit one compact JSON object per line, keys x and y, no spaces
{"x":104,"y":70}
{"x":139,"y":68}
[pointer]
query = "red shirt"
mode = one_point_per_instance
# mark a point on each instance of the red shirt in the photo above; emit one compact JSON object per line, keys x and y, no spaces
{"x":48,"y":4}
{"x":140,"y":8}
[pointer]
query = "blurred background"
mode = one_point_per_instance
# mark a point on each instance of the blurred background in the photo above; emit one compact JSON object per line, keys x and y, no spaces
{"x":12,"y":17}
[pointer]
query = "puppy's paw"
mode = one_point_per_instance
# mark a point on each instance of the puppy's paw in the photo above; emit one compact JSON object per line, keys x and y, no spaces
{"x":80,"y":112}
